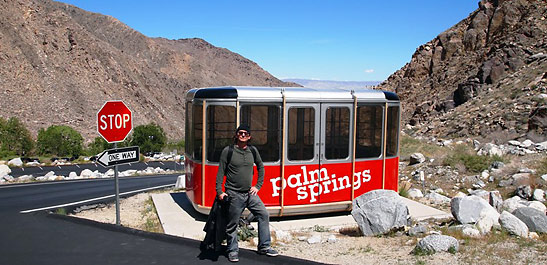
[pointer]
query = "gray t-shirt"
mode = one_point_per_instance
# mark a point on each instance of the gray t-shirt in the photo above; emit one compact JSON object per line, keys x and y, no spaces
{"x":239,"y":173}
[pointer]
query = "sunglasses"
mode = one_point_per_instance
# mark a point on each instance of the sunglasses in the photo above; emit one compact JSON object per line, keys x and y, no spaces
{"x":242,"y":133}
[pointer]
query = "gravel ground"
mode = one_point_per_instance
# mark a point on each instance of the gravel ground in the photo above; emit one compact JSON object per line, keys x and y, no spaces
{"x":348,"y":247}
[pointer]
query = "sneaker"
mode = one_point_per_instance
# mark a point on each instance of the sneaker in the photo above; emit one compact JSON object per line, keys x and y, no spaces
{"x":268,"y":252}
{"x":233,"y":257}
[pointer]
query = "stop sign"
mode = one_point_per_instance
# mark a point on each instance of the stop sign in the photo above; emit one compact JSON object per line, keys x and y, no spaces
{"x":114,"y":121}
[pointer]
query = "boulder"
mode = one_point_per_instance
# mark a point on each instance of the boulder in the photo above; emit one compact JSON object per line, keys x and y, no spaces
{"x":536,"y":205}
{"x":524,"y":191}
{"x":539,"y":195}
{"x":470,"y":209}
{"x":471,"y":232}
{"x":533,"y":218}
{"x":16,"y":162}
{"x":4,"y":170}
{"x":380,"y":211}
{"x":72,"y":175}
{"x":490,"y":150}
{"x":281,"y":235}
{"x":495,"y":200}
{"x":417,"y":158}
{"x":437,"y":243}
{"x":487,"y":220}
{"x":415,"y":193}
{"x":314,"y":239}
{"x":8,"y":178}
{"x":25,"y":178}
{"x":513,"y":225}
{"x":513,"y":203}
{"x":417,"y":230}
{"x":436,"y":198}
{"x":86,"y":173}
{"x":520,"y":179}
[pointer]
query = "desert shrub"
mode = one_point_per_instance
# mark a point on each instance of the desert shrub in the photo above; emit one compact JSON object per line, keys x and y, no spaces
{"x":176,"y":145}
{"x":15,"y":138}
{"x":410,"y":145}
{"x":464,"y":156}
{"x":97,"y":146}
{"x":150,"y":138}
{"x":60,"y":140}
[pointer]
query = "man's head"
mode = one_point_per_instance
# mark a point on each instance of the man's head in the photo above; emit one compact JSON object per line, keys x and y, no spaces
{"x":243,"y":133}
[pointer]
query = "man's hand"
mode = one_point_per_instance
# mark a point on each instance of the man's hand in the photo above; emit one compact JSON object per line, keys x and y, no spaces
{"x":253,"y":190}
{"x":222,"y":195}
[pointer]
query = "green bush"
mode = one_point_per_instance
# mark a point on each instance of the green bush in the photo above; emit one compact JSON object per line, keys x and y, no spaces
{"x":465,"y":156}
{"x":150,"y":138}
{"x":97,"y":146}
{"x":15,"y":138}
{"x":60,"y":140}
{"x":176,"y":145}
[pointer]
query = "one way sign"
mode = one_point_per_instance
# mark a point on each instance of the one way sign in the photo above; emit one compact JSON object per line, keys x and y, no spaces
{"x":118,"y":156}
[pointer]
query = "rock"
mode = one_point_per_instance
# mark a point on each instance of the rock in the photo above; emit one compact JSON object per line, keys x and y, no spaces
{"x":283,"y":235}
{"x":181,"y":182}
{"x":497,"y":165}
{"x":536,"y":205}
{"x":514,"y":143}
{"x":128,"y":173}
{"x":524,"y":191}
{"x":32,"y":164}
{"x":417,"y":158}
{"x":109,"y":173}
{"x":460,"y":194}
{"x":314,"y":239}
{"x":481,"y":193}
{"x":72,"y":175}
{"x":495,"y":200}
{"x":436,"y":198}
{"x":544,"y":177}
{"x":437,"y":243}
{"x":379,"y":211}
{"x":505,"y":183}
{"x":25,"y":178}
{"x":490,"y":150}
{"x":513,"y":225}
{"x":470,"y":209}
{"x":513,"y":203}
{"x":471,"y":232}
{"x":533,"y":235}
{"x":485,"y":174}
{"x":86,"y":173}
{"x":479,"y":184}
{"x":4,"y":170}
{"x":415,"y":193}
{"x":332,"y":239}
{"x":417,"y":230}
{"x":520,"y":179}
{"x":487,"y":220}
{"x":534,"y":219}
{"x":539,"y":195}
{"x":527,"y":143}
{"x":8,"y":178}
{"x":49,"y":174}
{"x":16,"y":162}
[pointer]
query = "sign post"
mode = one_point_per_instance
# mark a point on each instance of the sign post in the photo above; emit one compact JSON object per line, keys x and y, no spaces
{"x":114,"y":123}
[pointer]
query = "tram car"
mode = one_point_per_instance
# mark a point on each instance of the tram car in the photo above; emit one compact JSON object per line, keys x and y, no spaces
{"x":321,"y":148}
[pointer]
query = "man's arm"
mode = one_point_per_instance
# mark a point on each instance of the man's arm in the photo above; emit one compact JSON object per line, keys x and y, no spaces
{"x":260,"y":168}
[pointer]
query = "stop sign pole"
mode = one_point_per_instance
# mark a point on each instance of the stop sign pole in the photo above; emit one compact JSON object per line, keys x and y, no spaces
{"x":114,"y":123}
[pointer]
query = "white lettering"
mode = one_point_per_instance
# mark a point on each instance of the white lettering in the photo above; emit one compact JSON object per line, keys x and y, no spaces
{"x":292,"y":178}
{"x":126,"y":118}
{"x":103,"y":125}
{"x":319,"y":182}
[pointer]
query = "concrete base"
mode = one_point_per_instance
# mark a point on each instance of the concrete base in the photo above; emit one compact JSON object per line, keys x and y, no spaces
{"x":179,"y":218}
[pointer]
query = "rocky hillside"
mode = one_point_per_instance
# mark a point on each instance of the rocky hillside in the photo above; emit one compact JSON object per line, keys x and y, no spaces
{"x":486,"y":76}
{"x":59,"y":64}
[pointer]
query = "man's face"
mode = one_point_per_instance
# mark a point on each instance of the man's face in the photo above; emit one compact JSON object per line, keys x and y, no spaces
{"x":243,"y":135}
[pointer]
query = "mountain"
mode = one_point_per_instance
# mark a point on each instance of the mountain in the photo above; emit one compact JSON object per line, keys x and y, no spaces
{"x":486,"y":76}
{"x":59,"y":64}
{"x":332,"y":84}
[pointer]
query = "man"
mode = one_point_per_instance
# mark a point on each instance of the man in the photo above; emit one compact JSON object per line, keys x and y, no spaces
{"x":239,"y":177}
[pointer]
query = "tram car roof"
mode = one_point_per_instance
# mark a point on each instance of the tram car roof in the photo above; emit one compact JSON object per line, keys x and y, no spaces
{"x":291,"y":94}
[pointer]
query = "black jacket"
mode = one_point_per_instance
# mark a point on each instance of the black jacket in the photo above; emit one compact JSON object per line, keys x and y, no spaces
{"x":215,"y":228}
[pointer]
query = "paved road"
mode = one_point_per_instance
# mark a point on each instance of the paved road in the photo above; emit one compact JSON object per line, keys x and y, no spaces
{"x":65,"y":170}
{"x":41,"y":238}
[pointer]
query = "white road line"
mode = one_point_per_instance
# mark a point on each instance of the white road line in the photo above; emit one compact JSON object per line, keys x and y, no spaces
{"x":41,"y":168}
{"x":59,"y":167}
{"x":77,"y":166}
{"x":23,"y":168}
{"x":146,"y":163}
{"x":162,"y":163}
{"x":94,"y":199}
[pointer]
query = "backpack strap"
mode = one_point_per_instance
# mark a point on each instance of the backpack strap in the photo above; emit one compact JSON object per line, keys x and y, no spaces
{"x":253,"y":150}
{"x":229,"y":157}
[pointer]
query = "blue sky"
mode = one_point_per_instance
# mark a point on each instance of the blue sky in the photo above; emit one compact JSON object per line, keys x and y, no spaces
{"x":328,"y":40}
